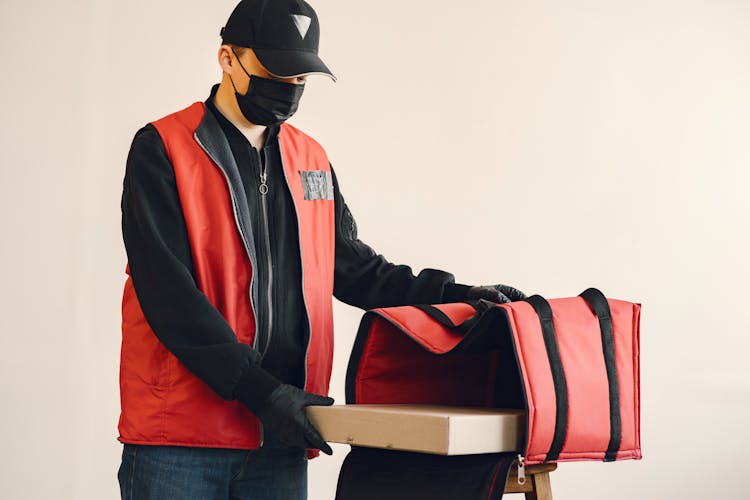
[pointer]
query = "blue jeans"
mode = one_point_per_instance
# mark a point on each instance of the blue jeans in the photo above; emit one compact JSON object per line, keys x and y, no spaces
{"x":272,"y":472}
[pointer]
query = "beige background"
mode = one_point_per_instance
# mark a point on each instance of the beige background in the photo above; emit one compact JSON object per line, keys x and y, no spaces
{"x":550,"y":145}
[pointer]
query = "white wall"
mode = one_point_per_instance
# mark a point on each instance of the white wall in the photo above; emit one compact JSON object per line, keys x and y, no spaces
{"x":549,"y":145}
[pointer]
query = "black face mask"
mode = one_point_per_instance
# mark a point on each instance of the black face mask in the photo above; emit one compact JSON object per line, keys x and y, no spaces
{"x":267,"y":101}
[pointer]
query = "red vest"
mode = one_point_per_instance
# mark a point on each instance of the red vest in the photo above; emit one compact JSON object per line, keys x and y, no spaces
{"x":164,"y":403}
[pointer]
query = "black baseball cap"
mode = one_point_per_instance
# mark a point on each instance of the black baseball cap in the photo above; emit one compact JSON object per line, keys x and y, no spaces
{"x":284,"y":34}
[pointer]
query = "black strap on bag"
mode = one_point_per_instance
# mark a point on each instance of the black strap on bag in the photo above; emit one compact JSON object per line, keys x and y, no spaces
{"x":598,"y":303}
{"x":481,"y":306}
{"x":544,"y":311}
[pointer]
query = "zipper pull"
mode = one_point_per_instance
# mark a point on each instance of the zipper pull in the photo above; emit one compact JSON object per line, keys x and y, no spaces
{"x":521,"y":470}
{"x":263,"y":188}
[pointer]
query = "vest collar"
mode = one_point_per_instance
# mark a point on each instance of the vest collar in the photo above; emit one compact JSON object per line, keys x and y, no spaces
{"x":210,"y":136}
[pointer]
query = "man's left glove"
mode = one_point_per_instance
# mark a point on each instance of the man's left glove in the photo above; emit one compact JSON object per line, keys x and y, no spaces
{"x":496,"y":293}
{"x":284,"y":414}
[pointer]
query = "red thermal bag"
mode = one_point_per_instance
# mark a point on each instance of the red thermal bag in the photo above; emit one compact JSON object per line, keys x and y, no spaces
{"x":571,"y":363}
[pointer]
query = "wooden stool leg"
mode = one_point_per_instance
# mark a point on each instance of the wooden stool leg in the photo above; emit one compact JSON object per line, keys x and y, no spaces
{"x":542,"y":490}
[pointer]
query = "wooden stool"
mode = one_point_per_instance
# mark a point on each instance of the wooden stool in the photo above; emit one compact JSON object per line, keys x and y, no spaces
{"x":537,"y":486}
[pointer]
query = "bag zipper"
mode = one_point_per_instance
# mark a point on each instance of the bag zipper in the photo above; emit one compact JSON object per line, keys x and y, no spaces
{"x":521,"y":457}
{"x":521,"y":470}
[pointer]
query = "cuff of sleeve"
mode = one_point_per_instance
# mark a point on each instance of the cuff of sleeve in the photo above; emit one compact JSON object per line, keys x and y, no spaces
{"x":254,"y":387}
{"x":454,"y":292}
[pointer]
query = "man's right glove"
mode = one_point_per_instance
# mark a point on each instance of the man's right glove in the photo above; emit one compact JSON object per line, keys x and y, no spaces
{"x":500,"y":294}
{"x":283,"y":413}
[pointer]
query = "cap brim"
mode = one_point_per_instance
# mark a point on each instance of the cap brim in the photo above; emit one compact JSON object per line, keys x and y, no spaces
{"x":291,"y":63}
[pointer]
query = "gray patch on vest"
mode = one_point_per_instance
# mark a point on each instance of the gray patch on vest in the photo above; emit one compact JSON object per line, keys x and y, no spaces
{"x":317,"y":184}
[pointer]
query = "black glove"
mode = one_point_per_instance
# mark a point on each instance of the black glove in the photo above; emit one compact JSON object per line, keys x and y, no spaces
{"x":495,"y":293}
{"x":283,"y":413}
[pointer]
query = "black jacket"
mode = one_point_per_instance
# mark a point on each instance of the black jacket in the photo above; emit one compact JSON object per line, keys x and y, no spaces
{"x":161,"y":267}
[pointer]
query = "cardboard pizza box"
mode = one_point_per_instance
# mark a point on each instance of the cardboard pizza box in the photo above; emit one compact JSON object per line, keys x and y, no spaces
{"x":443,"y":430}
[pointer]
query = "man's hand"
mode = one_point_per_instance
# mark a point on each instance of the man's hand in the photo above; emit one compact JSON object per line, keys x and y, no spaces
{"x":284,"y":415}
{"x":500,"y":294}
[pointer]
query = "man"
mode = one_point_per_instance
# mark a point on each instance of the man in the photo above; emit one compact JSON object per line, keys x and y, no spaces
{"x":237,"y":238}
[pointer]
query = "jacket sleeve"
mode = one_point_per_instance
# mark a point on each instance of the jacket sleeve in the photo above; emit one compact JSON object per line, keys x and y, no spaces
{"x":161,"y":267}
{"x":365,"y":279}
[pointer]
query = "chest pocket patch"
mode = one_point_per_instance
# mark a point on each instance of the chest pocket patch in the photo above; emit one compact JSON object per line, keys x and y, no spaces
{"x":317,"y":184}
